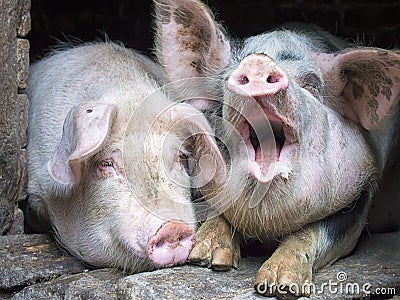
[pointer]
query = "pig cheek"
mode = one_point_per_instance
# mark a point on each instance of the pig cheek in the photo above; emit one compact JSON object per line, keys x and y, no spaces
{"x":130,"y":225}
{"x":131,"y":215}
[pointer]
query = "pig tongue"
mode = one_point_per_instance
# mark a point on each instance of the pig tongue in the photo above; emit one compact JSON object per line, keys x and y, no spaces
{"x":265,"y":170}
{"x":262,"y":167}
{"x":263,"y":162}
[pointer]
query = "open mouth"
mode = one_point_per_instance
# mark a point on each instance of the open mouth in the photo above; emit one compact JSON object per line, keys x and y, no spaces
{"x":269,"y":147}
{"x":278,"y":134}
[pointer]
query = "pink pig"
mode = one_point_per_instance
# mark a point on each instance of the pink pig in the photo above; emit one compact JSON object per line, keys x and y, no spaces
{"x":108,"y":155}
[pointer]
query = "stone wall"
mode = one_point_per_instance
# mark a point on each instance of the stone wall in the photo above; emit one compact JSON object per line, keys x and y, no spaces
{"x":14,"y":64}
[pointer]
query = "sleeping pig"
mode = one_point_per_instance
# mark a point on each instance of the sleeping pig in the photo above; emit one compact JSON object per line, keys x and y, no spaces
{"x":108,"y":155}
{"x":307,"y":122}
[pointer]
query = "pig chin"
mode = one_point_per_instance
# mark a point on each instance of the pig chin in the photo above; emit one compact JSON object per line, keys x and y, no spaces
{"x":267,"y":156}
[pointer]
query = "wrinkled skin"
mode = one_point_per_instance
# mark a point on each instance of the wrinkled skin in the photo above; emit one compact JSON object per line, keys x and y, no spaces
{"x":333,"y":113}
{"x":107,"y":163}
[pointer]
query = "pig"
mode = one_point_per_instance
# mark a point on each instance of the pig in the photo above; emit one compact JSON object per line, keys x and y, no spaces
{"x":307,"y":124}
{"x":108,"y":153}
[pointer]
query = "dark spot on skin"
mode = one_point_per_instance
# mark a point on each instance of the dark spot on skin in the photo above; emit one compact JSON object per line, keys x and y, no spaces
{"x":372,"y":110}
{"x":357,"y":90}
{"x":372,"y":75}
{"x":283,"y":55}
{"x":199,"y":41}
{"x":373,"y":87}
{"x":183,"y":16}
{"x":342,"y":223}
{"x":204,"y":39}
{"x":387,"y":85}
{"x":165,"y":15}
{"x":197,"y":65}
{"x":89,"y":110}
{"x":378,"y":82}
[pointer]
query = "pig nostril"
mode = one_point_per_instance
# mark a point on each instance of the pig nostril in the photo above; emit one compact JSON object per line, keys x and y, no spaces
{"x":170,"y":244}
{"x":243,"y":80}
{"x":272,"y":79}
{"x":160,"y":243}
{"x":184,"y":238}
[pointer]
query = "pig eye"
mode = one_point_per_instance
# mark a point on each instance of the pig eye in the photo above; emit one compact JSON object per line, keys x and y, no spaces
{"x":312,"y":83}
{"x":105,"y":169}
{"x":107,"y":163}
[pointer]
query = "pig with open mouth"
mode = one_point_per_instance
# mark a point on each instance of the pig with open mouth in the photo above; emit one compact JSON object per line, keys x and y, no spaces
{"x":308,"y":123}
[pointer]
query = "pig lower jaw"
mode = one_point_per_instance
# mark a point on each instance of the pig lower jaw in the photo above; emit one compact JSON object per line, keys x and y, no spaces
{"x":264,"y":165}
{"x":267,"y":158}
{"x":266,"y":171}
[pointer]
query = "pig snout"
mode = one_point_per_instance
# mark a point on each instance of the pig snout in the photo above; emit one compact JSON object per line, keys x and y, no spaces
{"x":257,"y":75}
{"x":171,"y":244}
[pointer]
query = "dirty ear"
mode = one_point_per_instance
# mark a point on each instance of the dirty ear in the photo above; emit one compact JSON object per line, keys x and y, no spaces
{"x":85,"y":129}
{"x":209,"y":168}
{"x":189,"y":43}
{"x":366,"y":79}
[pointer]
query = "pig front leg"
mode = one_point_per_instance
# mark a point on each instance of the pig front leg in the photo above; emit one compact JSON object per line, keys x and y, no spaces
{"x":289,"y":266}
{"x":288,"y":272}
{"x":217,"y":246}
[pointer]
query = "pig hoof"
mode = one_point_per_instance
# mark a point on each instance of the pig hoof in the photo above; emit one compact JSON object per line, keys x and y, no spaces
{"x":215,"y":246}
{"x":285,"y":280}
{"x":219,"y":259}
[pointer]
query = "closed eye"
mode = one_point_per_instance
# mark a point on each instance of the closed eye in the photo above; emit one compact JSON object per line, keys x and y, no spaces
{"x":106,"y":169}
{"x":312,"y":83}
{"x":107,"y":163}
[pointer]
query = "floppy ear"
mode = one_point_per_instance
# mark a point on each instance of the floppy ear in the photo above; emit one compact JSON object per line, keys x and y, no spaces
{"x":189,"y":43}
{"x":85,"y":129}
{"x":208,"y":165}
{"x":366,"y":80}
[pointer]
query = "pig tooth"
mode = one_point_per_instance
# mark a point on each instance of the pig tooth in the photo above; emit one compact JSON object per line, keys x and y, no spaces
{"x":285,"y":173}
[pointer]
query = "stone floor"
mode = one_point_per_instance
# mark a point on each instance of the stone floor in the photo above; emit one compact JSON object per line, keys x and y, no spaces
{"x":32,"y":267}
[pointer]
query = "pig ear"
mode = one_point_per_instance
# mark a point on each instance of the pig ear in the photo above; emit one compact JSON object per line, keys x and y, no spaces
{"x":367,"y":79}
{"x":85,"y":129}
{"x":189,"y":43}
{"x":208,"y":164}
